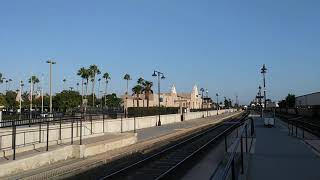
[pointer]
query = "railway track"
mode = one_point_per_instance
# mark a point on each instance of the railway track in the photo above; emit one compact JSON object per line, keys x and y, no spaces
{"x":164,"y":163}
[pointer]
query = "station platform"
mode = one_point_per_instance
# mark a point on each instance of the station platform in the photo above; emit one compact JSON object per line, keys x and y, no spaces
{"x":280,"y":156}
{"x":142,"y":138}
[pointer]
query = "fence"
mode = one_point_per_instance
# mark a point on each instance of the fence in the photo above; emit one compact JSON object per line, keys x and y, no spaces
{"x":235,"y":161}
{"x":44,"y":132}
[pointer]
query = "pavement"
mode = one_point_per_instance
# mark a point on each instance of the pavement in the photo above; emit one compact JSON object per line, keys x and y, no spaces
{"x":154,"y":132}
{"x":279,"y":156}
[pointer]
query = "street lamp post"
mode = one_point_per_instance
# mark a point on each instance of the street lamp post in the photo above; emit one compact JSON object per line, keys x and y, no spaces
{"x":263,"y":72}
{"x":217,"y":103}
{"x":50,"y":62}
{"x":160,"y":76}
{"x":20,"y":99}
{"x":202,"y":91}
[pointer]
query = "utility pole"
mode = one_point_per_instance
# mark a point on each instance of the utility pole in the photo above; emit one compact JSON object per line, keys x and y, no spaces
{"x":155,"y":74}
{"x":264,"y":72}
{"x":50,"y":83}
{"x":31,"y":94}
{"x":20,"y":100}
{"x":217,"y":103}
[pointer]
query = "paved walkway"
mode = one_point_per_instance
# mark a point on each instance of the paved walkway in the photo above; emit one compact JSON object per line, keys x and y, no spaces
{"x":280,"y":156}
{"x":157,"y":131}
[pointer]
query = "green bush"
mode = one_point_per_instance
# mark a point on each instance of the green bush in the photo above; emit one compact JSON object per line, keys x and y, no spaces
{"x":151,"y":111}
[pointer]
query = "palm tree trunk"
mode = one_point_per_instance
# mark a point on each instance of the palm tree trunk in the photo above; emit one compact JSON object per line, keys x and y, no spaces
{"x":93,"y":92}
{"x":105,"y":94}
{"x":127,"y":86}
{"x":82,"y":90}
{"x":137,"y":100}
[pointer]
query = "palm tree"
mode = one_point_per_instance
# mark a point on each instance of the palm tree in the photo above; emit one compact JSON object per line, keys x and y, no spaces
{"x":34,"y":81}
{"x":137,"y":90}
{"x":84,"y":74}
{"x":93,"y":71}
{"x":147,"y":89}
{"x":127,"y":78}
{"x":107,"y":77}
{"x":1,"y":78}
{"x":140,"y":81}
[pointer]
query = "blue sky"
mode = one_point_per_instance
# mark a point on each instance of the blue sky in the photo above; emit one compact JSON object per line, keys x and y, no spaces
{"x":219,"y":45}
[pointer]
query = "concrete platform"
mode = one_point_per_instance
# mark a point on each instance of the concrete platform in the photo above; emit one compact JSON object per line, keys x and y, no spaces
{"x":29,"y":160}
{"x":146,"y":138}
{"x":279,"y":156}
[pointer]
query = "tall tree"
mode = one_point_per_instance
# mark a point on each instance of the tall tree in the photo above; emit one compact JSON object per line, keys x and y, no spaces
{"x":84,"y":74}
{"x":107,"y":78}
{"x":35,"y":80}
{"x":127,"y":77}
{"x":137,"y":90}
{"x":140,"y":81}
{"x":291,"y":100}
{"x":93,"y":72}
{"x":147,"y":89}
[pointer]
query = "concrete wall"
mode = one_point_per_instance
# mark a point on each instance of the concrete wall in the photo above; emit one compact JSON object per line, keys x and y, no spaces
{"x":64,"y":153}
{"x":33,"y":137}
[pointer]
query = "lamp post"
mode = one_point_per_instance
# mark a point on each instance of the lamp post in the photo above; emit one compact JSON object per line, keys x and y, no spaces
{"x":217,"y":103}
{"x":160,"y":76}
{"x":202,"y":91}
{"x":263,"y":72}
{"x":50,"y":62}
{"x":20,"y":99}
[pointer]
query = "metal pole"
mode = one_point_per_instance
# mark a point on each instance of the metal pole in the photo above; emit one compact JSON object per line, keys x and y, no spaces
{"x":242,"y":169}
{"x":41,"y":100}
{"x":14,"y":139}
{"x":47,"y":149}
{"x":50,"y":88}
{"x":246,"y":129}
{"x":60,"y":128}
{"x":71,"y":131}
{"x":40,"y":132}
{"x":20,"y":100}
{"x":159,"y":122}
{"x":90,"y":123}
{"x":81,"y":129}
{"x":103,"y":121}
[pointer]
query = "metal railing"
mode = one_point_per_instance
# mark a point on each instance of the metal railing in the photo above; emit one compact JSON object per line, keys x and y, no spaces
{"x":236,"y":157}
{"x":44,"y":126}
{"x":296,"y":124}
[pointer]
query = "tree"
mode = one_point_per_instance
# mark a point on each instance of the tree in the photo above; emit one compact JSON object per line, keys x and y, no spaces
{"x":127,"y":78}
{"x":84,"y":74}
{"x":66,"y":100}
{"x":112,"y":100}
{"x":137,"y":90}
{"x":106,"y":77}
{"x":140,"y":81}
{"x":147,"y":89}
{"x":291,"y":100}
{"x":1,"y":78}
{"x":3,"y":101}
{"x":282,"y":104}
{"x":93,"y":71}
{"x":35,"y":80}
{"x":10,"y":99}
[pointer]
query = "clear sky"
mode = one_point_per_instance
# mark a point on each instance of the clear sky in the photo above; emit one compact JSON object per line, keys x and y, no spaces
{"x":219,"y":45}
